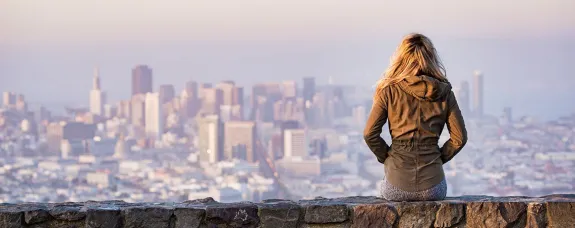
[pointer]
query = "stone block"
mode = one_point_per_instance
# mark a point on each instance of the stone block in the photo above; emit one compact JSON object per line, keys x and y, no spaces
{"x":450,"y":214}
{"x":416,"y":214}
{"x":104,"y":218}
{"x":232,"y":215}
{"x":147,"y":217}
{"x":326,"y":213}
{"x":283,"y":214}
{"x":189,"y":217}
{"x":381,"y":215}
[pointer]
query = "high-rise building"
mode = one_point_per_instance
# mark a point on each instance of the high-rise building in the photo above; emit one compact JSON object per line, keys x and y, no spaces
{"x":295,"y":143}
{"x":238,"y":96}
{"x":308,"y":88}
{"x":289,"y":89}
{"x":192,"y":89}
{"x":240,"y":140}
{"x":213,"y":98}
{"x":227,"y":88}
{"x":138,"y":110}
{"x":463,"y":97}
{"x":21,"y":104}
{"x":8,"y":99}
{"x":478,"y":94}
{"x":142,"y":80}
{"x":154,"y":117}
{"x":167,"y":93}
{"x":54,"y":136}
{"x":210,"y":140}
{"x":97,"y":97}
{"x":201,"y":89}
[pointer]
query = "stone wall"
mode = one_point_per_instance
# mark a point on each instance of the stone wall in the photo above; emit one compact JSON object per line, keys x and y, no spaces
{"x":467,"y":211}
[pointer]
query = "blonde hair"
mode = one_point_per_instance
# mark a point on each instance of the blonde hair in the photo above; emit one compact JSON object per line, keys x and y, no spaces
{"x":416,"y":55}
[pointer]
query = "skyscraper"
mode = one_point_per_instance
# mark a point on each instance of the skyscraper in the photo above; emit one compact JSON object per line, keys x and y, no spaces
{"x":8,"y":99}
{"x":154,"y":117}
{"x":138,"y":110}
{"x":463,"y":97}
{"x":167,"y":93}
{"x":141,"y":80}
{"x":295,"y":143}
{"x":478,"y":94}
{"x":192,"y":89}
{"x":289,"y":89}
{"x":210,"y":138}
{"x":240,"y":140}
{"x":227,"y":88}
{"x":97,"y":97}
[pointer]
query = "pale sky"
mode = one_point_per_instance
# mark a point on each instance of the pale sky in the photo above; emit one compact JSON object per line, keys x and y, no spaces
{"x":32,"y":22}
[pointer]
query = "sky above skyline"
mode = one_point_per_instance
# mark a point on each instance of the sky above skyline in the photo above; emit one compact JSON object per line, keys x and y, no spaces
{"x":48,"y":49}
{"x":37,"y":23}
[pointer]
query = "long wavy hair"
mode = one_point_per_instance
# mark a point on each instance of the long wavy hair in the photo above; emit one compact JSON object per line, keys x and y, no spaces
{"x":416,"y":55}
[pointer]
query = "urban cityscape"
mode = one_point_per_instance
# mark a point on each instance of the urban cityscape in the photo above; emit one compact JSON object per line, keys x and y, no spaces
{"x":295,"y":139}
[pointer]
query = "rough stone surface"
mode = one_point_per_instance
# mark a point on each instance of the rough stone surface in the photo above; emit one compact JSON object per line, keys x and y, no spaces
{"x":188,"y":217}
{"x":450,"y":214}
{"x":374,"y":215}
{"x":147,"y":217}
{"x":348,"y":212}
{"x":280,"y":214}
{"x":417,"y":214}
{"x":232,"y":215}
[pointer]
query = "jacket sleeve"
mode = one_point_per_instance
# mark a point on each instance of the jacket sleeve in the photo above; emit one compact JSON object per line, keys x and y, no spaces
{"x":371,"y":134}
{"x":457,"y":132}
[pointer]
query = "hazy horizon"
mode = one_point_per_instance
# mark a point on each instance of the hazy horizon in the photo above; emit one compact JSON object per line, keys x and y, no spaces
{"x":48,"y":50}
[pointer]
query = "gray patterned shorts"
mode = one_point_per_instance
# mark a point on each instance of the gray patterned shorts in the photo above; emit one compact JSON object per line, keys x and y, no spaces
{"x":392,"y":193}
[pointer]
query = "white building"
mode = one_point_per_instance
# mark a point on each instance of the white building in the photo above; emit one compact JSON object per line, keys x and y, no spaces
{"x":97,"y":97}
{"x":154,"y":118}
{"x":295,"y":143}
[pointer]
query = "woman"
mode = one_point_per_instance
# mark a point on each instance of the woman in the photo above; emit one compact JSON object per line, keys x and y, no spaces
{"x":416,"y":97}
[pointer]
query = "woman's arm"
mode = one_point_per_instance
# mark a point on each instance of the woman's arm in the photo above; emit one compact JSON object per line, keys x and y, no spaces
{"x":373,"y":128}
{"x":457,"y":132}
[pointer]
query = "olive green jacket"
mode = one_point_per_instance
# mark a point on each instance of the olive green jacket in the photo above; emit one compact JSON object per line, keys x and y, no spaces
{"x":417,"y":108}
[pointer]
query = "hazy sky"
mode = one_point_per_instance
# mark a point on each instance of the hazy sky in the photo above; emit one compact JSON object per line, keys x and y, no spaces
{"x":49,"y":47}
{"x":47,"y":22}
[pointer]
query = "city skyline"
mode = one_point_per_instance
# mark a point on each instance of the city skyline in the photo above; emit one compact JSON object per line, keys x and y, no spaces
{"x":347,"y":41}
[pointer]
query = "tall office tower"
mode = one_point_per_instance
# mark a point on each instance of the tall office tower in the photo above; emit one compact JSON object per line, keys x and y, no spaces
{"x":110,"y":111}
{"x":138,"y":110}
{"x":238,"y":96}
{"x":154,"y":116}
{"x":8,"y":99}
{"x":289,"y":89}
{"x":21,"y":104}
{"x":240,"y":140}
{"x":478,"y":94}
{"x":124,"y":109}
{"x":54,"y":136}
{"x":97,"y":97}
{"x":210,"y":138}
{"x":212,"y":100}
{"x":142,"y":80}
{"x":167,"y":93}
{"x":308,"y":88}
{"x":192,"y":89}
{"x":463,"y":98}
{"x":201,"y":89}
{"x":295,"y":143}
{"x":227,"y":88}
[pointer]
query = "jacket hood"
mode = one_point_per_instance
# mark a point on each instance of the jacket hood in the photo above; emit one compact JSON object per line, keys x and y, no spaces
{"x":426,"y":88}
